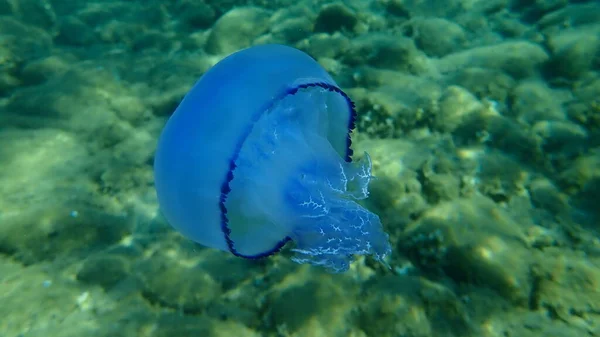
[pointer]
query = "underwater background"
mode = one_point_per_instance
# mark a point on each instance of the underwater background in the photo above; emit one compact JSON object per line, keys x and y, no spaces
{"x":481,"y":117}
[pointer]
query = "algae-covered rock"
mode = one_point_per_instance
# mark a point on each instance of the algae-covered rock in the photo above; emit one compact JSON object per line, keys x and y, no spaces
{"x":472,"y":241}
{"x":58,"y":230}
{"x":291,"y":25}
{"x":454,"y":107}
{"x":434,"y":8}
{"x":411,"y":306}
{"x":171,"y":279}
{"x":175,"y":324}
{"x":497,"y":131}
{"x":237,"y":29}
{"x":81,"y":98}
{"x":438,"y":37}
{"x":530,"y":323}
{"x":585,"y":108}
{"x":574,"y":15}
{"x":561,"y":138}
{"x":396,"y":109}
{"x":23,"y":42}
{"x":509,"y":26}
{"x":574,"y":53}
{"x":51,"y":303}
{"x":567,"y":283}
{"x":520,"y":59}
{"x":484,"y":83}
{"x":533,"y":11}
{"x":335,"y":17}
{"x":195,"y":14}
{"x":105,"y":270}
{"x":533,"y":101}
{"x":48,"y":194}
{"x":395,"y":8}
{"x":41,"y":70}
{"x":325,"y":45}
{"x":581,"y":179}
{"x":396,"y":193}
{"x":499,"y":176}
{"x":440,"y":178}
{"x":8,"y":83}
{"x":73,"y":31}
{"x":581,"y":171}
{"x":291,"y":30}
{"x":6,"y":7}
{"x":305,"y":304}
{"x":546,"y":195}
{"x":387,"y":52}
{"x":38,"y":13}
{"x":393,"y":104}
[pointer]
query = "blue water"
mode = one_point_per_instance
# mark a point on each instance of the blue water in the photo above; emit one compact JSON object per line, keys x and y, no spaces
{"x":442,"y":157}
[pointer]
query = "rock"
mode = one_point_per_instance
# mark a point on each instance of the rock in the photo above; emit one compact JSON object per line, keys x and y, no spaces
{"x":121,"y":33}
{"x":573,"y":15}
{"x":168,"y":281}
{"x":472,"y":241}
{"x":105,"y":271}
{"x":439,"y":176}
{"x":36,"y":13}
{"x":438,"y":37}
{"x":292,"y":30}
{"x":305,"y":303}
{"x":41,"y":70}
{"x":509,"y":26}
{"x":153,"y":39}
{"x":544,"y":194}
{"x":49,"y":300}
{"x":335,"y":17}
{"x":79,"y":99}
{"x":387,"y":52}
{"x":73,"y":31}
{"x":24,"y":43}
{"x":237,"y":29}
{"x":396,"y":8}
{"x":118,"y":12}
{"x":6,"y":7}
{"x":533,"y":101}
{"x":52,"y":163}
{"x":434,"y":8}
{"x":585,"y":108}
{"x":497,"y":131}
{"x":8,"y":83}
{"x":568,"y":284}
{"x":573,"y":53}
{"x":396,"y":194}
{"x":519,"y":59}
{"x":411,"y":306}
{"x":175,"y":324}
{"x":561,"y":137}
{"x":325,"y":45}
{"x":454,"y":107}
{"x":129,"y":107}
{"x":196,"y":14}
{"x":394,"y":104}
{"x":533,"y":11}
{"x":289,"y":26}
{"x":484,"y":83}
{"x":586,"y":202}
{"x":582,"y":171}
{"x":500,"y":176}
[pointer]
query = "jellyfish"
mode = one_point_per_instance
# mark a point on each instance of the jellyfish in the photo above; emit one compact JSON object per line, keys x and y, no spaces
{"x":258,"y":155}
